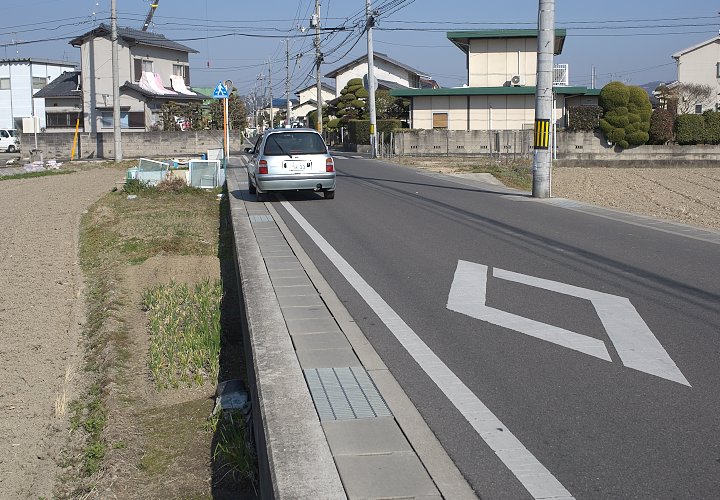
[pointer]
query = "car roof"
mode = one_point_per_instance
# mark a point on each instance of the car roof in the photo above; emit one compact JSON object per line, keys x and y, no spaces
{"x":289,"y":130}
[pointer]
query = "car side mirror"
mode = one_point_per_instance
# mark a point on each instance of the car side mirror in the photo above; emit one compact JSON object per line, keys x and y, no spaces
{"x":249,"y":150}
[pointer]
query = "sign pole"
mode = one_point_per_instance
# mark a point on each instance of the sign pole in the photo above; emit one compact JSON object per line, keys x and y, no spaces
{"x":226,"y":131}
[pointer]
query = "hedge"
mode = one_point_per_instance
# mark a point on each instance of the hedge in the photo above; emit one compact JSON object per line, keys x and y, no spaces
{"x":359,"y":130}
{"x":584,"y":118}
{"x":690,"y":129}
{"x":712,"y":127}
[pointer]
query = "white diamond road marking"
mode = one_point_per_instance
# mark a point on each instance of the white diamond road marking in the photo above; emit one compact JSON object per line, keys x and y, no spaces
{"x":633,"y":340}
{"x":533,"y":475}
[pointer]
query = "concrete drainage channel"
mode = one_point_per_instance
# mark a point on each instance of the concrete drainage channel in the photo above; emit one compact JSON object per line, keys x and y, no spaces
{"x":329,"y":419}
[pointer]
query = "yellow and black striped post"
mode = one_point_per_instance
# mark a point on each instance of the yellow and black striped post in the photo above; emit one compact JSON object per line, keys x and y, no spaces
{"x":542,"y":134}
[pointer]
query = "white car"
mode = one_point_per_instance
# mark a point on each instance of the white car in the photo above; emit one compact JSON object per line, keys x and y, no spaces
{"x":290,"y":159}
{"x":9,"y":140}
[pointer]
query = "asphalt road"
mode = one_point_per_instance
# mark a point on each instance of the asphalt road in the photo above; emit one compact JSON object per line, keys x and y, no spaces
{"x":641,"y":420}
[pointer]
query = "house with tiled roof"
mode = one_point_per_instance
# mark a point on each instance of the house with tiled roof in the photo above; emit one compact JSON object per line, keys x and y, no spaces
{"x":63,"y":102}
{"x":500,"y":89}
{"x":153,"y":70}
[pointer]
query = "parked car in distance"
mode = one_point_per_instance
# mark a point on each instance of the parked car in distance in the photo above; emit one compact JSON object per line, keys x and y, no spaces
{"x":9,"y":140}
{"x":290,"y":159}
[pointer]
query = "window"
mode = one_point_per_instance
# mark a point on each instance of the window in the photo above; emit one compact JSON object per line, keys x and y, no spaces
{"x":135,"y":119}
{"x":440,"y":120}
{"x":698,"y":109}
{"x":4,"y":83}
{"x":61,"y":120}
{"x":39,"y":82}
{"x":4,"y":134}
{"x":142,"y":66}
{"x":285,"y":143}
{"x":182,"y":70}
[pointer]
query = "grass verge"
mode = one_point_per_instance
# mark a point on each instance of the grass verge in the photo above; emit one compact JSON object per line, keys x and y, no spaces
{"x":117,"y":232}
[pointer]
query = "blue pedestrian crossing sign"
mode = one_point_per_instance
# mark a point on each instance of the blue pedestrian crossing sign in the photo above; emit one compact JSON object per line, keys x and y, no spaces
{"x":221,"y":91}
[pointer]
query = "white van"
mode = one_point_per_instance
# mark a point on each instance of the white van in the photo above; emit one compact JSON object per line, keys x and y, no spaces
{"x":9,"y":140}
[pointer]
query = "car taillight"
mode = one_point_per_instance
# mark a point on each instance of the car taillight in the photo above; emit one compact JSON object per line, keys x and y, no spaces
{"x":329,"y":165}
{"x":262,"y":167}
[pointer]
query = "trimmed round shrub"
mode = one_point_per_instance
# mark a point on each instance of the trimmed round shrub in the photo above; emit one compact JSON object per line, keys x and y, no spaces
{"x":626,"y":121}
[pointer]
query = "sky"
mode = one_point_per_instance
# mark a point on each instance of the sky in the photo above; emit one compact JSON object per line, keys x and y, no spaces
{"x":627,"y":40}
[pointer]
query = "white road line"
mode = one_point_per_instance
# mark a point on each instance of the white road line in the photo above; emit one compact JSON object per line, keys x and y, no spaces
{"x":634,"y":342}
{"x":536,"y":479}
{"x":340,"y":157}
{"x":467,"y":296}
{"x":361,"y":157}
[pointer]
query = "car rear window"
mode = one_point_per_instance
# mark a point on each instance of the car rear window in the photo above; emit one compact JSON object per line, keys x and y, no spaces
{"x":295,"y":143}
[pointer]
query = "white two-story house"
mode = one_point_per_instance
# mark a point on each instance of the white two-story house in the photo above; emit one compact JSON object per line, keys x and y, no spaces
{"x":500,"y":90}
{"x":700,"y":64}
{"x":153,"y":70}
{"x":389,"y":73}
{"x":20,"y":80}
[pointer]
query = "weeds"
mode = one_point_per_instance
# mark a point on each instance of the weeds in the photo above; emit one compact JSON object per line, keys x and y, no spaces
{"x":232,"y":451}
{"x":30,"y":175}
{"x":185,"y":332}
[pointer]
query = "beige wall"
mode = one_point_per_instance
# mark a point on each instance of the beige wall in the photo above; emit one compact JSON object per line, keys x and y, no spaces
{"x":487,"y":112}
{"x":493,"y":62}
{"x":700,"y":66}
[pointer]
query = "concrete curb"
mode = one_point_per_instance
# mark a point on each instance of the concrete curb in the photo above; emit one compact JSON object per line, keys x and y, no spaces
{"x":293,"y":454}
{"x":446,"y":476}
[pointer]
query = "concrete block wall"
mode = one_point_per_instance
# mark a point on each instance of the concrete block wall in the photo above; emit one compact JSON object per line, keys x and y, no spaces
{"x":587,"y":148}
{"x":135,"y":144}
{"x":458,"y":142}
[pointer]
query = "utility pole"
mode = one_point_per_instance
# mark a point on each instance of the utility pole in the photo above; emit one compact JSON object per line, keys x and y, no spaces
{"x":270,"y":91}
{"x":542,"y":158}
{"x":287,"y":82}
{"x":318,"y":59}
{"x":115,"y":81}
{"x":371,"y":79}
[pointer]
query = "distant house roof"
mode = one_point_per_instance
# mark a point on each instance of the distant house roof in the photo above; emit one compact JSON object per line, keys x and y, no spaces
{"x":32,"y":60}
{"x":491,"y":91}
{"x":133,"y":37}
{"x":462,"y":38}
{"x":326,"y":86}
{"x":166,"y":97}
{"x":677,"y":55}
{"x":65,"y":85}
{"x":377,"y":55}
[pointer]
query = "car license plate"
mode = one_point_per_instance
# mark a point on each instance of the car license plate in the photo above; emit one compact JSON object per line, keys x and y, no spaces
{"x":297,"y":165}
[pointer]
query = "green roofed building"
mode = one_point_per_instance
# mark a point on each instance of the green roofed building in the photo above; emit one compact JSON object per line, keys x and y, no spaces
{"x":500,"y":90}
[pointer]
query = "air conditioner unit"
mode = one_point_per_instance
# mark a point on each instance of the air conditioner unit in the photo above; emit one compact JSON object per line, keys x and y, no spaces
{"x":517,"y":80}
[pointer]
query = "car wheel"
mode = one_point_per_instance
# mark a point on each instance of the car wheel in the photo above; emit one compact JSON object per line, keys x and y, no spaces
{"x":329,"y":195}
{"x":251,"y":186}
{"x":11,"y":149}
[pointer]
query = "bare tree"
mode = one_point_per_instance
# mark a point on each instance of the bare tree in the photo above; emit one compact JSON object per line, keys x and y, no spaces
{"x":686,"y":95}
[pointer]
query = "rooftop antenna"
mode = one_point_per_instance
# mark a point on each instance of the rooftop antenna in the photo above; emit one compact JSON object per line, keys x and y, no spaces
{"x":150,"y":14}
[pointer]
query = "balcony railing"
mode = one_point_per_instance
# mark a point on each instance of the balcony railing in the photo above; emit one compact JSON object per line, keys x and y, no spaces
{"x":561,"y":75}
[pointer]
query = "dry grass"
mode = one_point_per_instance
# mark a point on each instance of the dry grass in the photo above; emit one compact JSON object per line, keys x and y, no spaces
{"x":62,"y":397}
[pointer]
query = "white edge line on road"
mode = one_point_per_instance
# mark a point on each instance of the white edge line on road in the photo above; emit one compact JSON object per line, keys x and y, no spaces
{"x":536,"y":479}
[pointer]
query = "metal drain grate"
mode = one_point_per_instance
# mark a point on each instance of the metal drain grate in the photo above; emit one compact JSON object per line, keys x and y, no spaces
{"x":261,"y":218}
{"x":345,"y":394}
